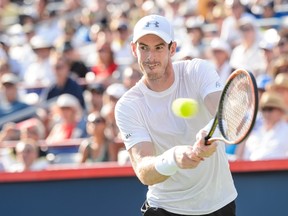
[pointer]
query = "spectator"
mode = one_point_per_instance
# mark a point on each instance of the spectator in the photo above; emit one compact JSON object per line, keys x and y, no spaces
{"x":64,"y":83}
{"x":105,"y":65}
{"x":269,"y":140}
{"x":11,"y":102}
{"x":27,"y":158}
{"x":195,"y":38}
{"x":280,"y":85}
{"x":4,"y":67}
{"x":33,"y":129}
{"x":269,"y":54}
{"x":112,"y":95}
{"x":219,"y":14}
{"x":77,"y":66}
{"x":95,"y":148}
{"x":121,"y":44}
{"x":230,"y":29}
{"x":13,"y":63}
{"x":40,"y":72}
{"x":69,"y":124}
{"x":94,"y":97}
{"x":220,"y":56}
{"x":279,"y":65}
{"x":247,"y":54}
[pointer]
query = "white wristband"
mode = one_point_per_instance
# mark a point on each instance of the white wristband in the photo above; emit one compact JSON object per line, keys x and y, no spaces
{"x":165,"y":163}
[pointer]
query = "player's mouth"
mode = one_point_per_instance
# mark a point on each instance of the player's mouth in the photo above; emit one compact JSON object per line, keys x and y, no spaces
{"x":152,"y":66}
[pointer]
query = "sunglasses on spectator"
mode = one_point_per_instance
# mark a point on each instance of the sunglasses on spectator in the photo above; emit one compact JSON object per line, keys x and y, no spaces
{"x":246,"y":28}
{"x":268,"y":109}
{"x":97,"y":121}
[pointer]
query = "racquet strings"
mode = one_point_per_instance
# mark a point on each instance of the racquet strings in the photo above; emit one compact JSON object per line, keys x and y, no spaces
{"x":237,"y":109}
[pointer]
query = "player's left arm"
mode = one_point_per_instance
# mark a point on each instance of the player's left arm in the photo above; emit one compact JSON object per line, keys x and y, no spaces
{"x":211,"y":102}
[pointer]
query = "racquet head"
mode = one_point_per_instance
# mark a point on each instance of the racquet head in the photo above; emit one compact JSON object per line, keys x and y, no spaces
{"x":238,"y":107}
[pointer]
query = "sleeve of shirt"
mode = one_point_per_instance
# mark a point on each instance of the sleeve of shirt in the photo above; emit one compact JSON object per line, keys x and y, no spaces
{"x":130,"y":125}
{"x":205,"y":77}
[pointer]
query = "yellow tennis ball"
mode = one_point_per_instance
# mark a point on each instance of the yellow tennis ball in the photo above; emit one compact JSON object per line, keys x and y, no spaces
{"x":185,"y":107}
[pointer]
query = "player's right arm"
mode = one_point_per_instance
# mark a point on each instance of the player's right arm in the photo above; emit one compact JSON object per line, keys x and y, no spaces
{"x":146,"y":164}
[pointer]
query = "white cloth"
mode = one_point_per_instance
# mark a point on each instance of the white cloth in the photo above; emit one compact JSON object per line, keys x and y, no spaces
{"x":39,"y":73}
{"x":266,"y":145}
{"x":144,"y":115}
{"x":251,"y":59}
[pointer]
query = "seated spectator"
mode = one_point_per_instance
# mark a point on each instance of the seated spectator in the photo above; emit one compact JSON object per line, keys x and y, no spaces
{"x":269,"y":141}
{"x":33,"y":129}
{"x":27,"y":158}
{"x":95,"y":148}
{"x":77,"y":66}
{"x":279,"y":65}
{"x":68,"y":125}
{"x":94,"y":97}
{"x":11,"y":103}
{"x":105,"y":65}
{"x":220,"y":55}
{"x":40,"y":72}
{"x":248,"y":54}
{"x":64,"y":83}
{"x":112,"y":95}
{"x":280,"y":85}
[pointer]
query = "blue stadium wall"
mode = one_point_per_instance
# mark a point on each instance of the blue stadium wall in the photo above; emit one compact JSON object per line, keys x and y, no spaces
{"x":113,"y":190}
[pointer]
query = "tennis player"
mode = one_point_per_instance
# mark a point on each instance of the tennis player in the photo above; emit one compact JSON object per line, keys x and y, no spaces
{"x":168,"y":153}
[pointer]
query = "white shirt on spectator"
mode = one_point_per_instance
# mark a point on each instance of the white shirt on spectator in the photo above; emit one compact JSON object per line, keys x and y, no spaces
{"x":267,"y":145}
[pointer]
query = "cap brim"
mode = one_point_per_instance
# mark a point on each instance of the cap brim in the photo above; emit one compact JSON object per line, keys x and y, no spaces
{"x":160,"y":34}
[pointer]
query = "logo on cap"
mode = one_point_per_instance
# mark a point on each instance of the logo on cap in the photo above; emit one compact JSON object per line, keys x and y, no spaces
{"x":156,"y":24}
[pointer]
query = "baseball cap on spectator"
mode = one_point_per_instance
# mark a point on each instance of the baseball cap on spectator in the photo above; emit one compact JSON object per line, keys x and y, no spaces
{"x":219,"y":44}
{"x":96,"y":87}
{"x":153,"y":24}
{"x":279,"y":65}
{"x":246,"y":22}
{"x":67,"y":100}
{"x":38,"y":42}
{"x":263,"y":81}
{"x":194,"y":23}
{"x":272,"y":99}
{"x":9,"y":78}
{"x":265,"y":45}
{"x":116,"y":90}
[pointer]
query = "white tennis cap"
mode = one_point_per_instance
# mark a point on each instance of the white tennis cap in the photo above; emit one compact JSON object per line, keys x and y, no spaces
{"x":154,"y":24}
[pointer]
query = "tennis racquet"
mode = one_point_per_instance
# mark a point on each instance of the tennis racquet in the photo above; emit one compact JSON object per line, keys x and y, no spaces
{"x":237,"y":109}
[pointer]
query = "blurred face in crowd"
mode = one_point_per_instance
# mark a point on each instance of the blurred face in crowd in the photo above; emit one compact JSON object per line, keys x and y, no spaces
{"x":26,"y":153}
{"x":61,"y":69}
{"x":10,"y":91}
{"x":272,"y":115}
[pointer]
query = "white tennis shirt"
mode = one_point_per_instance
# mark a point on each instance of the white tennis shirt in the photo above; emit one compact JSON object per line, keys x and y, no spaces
{"x":145,"y":115}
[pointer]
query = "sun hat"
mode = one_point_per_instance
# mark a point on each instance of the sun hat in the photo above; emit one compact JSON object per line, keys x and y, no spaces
{"x":272,"y":99}
{"x":154,"y":24}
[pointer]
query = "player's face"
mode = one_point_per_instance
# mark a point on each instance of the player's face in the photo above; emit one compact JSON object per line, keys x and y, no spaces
{"x":154,"y":56}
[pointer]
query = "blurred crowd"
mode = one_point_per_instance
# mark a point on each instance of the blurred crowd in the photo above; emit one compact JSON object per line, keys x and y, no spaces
{"x":64,"y":64}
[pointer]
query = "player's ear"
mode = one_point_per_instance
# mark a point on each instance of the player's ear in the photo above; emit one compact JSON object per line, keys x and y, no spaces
{"x":133,"y":49}
{"x":173,"y":48}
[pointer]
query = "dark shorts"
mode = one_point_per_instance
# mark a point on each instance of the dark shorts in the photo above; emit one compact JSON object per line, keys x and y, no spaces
{"x":228,"y":210}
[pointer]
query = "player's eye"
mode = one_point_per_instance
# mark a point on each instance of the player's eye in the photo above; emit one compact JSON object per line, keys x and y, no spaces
{"x":144,"y":48}
{"x":159,"y":48}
